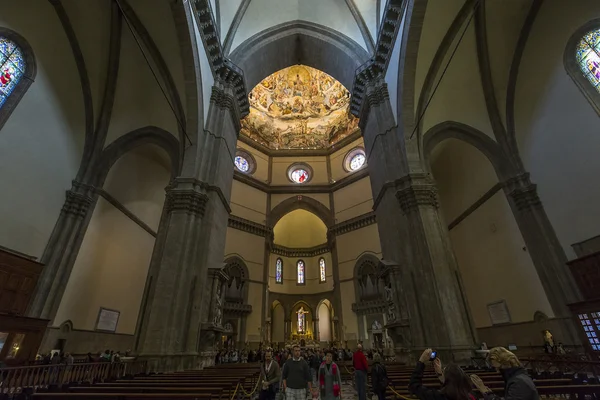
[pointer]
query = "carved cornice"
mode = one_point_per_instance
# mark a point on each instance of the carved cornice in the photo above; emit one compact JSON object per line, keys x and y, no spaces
{"x":377,"y":66}
{"x":377,"y":94}
{"x":370,"y":307}
{"x":353,"y":224}
{"x":414,"y":196}
{"x":77,"y":204}
{"x":225,"y":100}
{"x":523,"y":192}
{"x":305,"y":252}
{"x":249,"y":226}
{"x":239,"y":309}
{"x":188,"y":201}
{"x":224,"y":71}
{"x":201,"y":186}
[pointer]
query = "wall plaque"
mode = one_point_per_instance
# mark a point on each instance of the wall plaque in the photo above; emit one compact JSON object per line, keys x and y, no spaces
{"x":107,"y":320}
{"x":499,"y":313}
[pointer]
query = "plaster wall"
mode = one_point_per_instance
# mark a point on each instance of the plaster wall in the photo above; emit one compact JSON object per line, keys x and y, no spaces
{"x":249,"y":248}
{"x":300,"y":229}
{"x":489,"y":248}
{"x":42,"y":141}
{"x":352,"y":245}
{"x":556,"y":127}
{"x":459,"y":97}
{"x":322,"y":198}
{"x":248,"y":202}
{"x":111,"y":267}
{"x":138,"y":100}
{"x":353,"y":200}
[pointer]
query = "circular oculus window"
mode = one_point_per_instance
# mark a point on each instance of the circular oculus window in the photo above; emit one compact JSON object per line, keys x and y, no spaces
{"x":355,"y":160}
{"x":299,"y":173}
{"x":244,"y":162}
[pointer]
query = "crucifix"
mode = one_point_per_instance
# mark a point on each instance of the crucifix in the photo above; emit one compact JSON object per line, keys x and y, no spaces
{"x":301,"y":320}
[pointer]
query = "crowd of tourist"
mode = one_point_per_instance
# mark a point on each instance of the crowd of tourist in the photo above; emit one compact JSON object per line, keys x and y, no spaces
{"x":299,"y":374}
{"x":57,"y":357}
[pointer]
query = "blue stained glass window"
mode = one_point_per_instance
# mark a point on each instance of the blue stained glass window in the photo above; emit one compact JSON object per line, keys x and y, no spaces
{"x":242,"y":164}
{"x":322,"y":275}
{"x":279,"y":271}
{"x":12,"y":68}
{"x":588,"y":57}
{"x":301,"y":272}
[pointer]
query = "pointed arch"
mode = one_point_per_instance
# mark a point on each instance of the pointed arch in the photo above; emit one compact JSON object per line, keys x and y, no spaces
{"x":136,"y":138}
{"x":236,"y":289}
{"x":472,"y":136}
{"x":300,"y":202}
{"x":18,"y":75}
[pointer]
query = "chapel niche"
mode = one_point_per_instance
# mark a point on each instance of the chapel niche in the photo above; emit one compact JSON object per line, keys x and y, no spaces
{"x":236,"y":285}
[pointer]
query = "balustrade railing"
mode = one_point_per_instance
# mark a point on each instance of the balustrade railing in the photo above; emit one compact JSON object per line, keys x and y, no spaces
{"x":16,"y":379}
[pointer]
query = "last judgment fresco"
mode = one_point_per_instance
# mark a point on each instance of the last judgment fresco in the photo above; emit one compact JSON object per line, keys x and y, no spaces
{"x":299,"y":108}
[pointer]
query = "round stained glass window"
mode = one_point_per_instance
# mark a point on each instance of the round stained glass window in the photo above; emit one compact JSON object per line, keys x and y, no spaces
{"x":242,"y":164}
{"x":355,"y":159}
{"x":299,"y":175}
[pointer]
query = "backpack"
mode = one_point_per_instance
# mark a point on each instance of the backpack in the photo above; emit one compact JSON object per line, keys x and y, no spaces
{"x":382,"y":373}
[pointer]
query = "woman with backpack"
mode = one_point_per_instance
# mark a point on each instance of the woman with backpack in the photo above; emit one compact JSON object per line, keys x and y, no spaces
{"x":379,"y":378}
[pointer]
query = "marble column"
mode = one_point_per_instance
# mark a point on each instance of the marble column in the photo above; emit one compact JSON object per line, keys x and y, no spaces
{"x":177,"y":303}
{"x":542,"y":244}
{"x":62,"y":249}
{"x":427,"y":306}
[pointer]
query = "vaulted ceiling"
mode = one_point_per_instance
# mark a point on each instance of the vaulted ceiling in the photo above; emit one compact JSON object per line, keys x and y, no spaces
{"x":239,"y":20}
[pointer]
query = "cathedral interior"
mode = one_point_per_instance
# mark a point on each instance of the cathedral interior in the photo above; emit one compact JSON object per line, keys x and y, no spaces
{"x":183,"y":176}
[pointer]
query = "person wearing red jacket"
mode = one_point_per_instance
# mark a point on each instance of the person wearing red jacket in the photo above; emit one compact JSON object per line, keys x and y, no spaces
{"x":361,"y":367}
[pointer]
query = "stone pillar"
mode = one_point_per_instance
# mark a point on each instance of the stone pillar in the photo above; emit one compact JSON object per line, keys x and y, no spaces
{"x":542,"y":244}
{"x":62,"y":249}
{"x":317,"y":335}
{"x":427,"y":306}
{"x":177,"y":304}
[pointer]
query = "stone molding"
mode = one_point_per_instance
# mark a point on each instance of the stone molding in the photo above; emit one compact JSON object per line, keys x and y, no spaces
{"x":370,"y":307}
{"x":188,"y":201}
{"x":223,"y":69}
{"x":199,"y":186}
{"x":222,"y":99}
{"x":377,"y":65}
{"x":377,"y":94}
{"x":415,"y":196}
{"x":353,"y":224}
{"x":300,"y":252}
{"x":77,"y":204}
{"x":523,"y":192}
{"x":248,"y":226}
{"x":237,"y":309}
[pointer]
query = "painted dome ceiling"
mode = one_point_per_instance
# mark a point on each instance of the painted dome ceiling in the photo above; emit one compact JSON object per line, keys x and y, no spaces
{"x":299,"y":107}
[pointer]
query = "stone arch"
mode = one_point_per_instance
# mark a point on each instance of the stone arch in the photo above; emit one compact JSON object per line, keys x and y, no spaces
{"x":299,"y":42}
{"x":476,"y":138}
{"x":572,"y":67}
{"x":26,"y":80}
{"x":137,"y":138}
{"x":236,"y":288}
{"x":367,"y":283}
{"x":300,"y":202}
